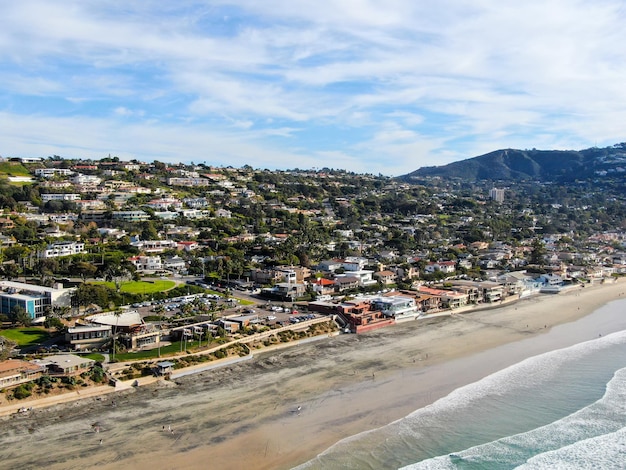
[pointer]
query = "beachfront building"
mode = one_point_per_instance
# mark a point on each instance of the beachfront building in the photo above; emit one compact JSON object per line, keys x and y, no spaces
{"x":519,"y":283}
{"x":488,"y":291}
{"x":65,"y":364}
{"x":88,"y":336}
{"x":362,"y":317}
{"x":32,"y":298}
{"x":15,"y":371}
{"x":394,"y":306}
{"x":551,"y":283}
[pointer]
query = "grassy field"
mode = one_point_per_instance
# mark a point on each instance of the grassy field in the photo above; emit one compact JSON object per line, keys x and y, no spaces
{"x":95,"y":356}
{"x":151,"y":353}
{"x":13,"y":169}
{"x":140,"y":287}
{"x":25,"y":336}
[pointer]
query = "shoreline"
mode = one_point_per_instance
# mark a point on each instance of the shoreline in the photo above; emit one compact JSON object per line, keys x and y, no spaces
{"x":246,"y":414}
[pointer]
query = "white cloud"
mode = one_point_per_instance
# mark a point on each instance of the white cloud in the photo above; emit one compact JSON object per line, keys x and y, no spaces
{"x":415,"y":83}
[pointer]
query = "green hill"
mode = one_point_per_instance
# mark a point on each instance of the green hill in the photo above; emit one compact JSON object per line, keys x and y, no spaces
{"x":558,"y":166}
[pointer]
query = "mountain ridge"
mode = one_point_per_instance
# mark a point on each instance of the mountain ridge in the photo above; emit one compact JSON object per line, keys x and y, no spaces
{"x":559,"y":166}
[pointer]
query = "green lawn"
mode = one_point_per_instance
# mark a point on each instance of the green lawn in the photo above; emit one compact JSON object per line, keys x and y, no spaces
{"x":140,"y":287}
{"x":95,"y":356}
{"x":13,"y":169}
{"x":152,"y":353}
{"x":26,"y":336}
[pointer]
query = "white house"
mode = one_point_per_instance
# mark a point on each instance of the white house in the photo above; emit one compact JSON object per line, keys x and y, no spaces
{"x":56,"y":250}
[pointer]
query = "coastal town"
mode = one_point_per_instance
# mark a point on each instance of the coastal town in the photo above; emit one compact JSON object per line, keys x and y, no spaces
{"x":126,"y":271}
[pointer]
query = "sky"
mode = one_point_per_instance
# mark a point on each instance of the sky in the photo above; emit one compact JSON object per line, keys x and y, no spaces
{"x":380,"y":87}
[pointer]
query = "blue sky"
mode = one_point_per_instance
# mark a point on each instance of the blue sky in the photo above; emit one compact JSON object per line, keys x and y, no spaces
{"x":367,"y":86}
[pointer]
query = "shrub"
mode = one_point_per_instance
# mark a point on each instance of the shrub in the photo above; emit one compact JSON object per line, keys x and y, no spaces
{"x":22,"y":391}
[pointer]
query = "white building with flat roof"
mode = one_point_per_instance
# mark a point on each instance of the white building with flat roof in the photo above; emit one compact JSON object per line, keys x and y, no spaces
{"x":56,"y":250}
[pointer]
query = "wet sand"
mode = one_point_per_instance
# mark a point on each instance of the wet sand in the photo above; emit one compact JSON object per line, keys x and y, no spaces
{"x":284,"y":407}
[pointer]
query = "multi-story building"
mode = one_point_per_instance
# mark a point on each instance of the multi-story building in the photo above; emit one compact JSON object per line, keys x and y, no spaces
{"x":497,"y":194}
{"x":147,"y":263}
{"x":60,"y":197}
{"x":56,"y":250}
{"x":51,"y":172}
{"x":130,"y":216}
{"x":32,"y":298}
{"x":86,"y":179}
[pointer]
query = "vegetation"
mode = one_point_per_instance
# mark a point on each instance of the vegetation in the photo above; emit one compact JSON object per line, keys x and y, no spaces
{"x":139,"y":287}
{"x":26,"y":336}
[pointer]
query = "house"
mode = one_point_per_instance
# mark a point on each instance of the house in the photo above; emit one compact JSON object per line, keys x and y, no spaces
{"x":66,"y":364}
{"x":517,"y":283}
{"x":130,"y":216}
{"x":385,"y":277}
{"x":15,"y":371}
{"x":265,"y":276}
{"x":56,"y":250}
{"x":285,"y":291}
{"x":330,"y":265}
{"x":294,"y":273}
{"x":147,"y":263}
{"x":323,"y":286}
{"x":551,"y":283}
{"x":174,"y":263}
{"x":436,"y":296}
{"x":155,"y":246}
{"x":364,"y":277}
{"x":485,"y":291}
{"x":448,"y":267}
{"x":188,"y":245}
{"x":6,"y":223}
{"x":344,"y":283}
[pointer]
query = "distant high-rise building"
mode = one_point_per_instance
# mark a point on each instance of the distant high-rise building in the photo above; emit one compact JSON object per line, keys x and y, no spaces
{"x":497,"y":194}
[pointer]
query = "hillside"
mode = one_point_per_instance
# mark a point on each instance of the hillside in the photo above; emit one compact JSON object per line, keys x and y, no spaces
{"x":559,"y":166}
{"x":13,"y":169}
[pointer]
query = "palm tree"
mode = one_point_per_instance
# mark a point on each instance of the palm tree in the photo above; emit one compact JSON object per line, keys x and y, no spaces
{"x":117,"y":314}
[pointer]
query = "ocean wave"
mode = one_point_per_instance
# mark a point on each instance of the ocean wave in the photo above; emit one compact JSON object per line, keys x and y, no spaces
{"x":571,"y":442}
{"x":372,"y":446}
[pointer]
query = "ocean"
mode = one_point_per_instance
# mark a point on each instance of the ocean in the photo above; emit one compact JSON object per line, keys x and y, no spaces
{"x":562,"y":409}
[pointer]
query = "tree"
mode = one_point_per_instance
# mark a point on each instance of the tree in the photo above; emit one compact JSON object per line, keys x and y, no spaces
{"x":84,"y":269}
{"x":20,"y":316}
{"x":538,"y":252}
{"x":117,"y":314}
{"x":11,"y":271}
{"x":54,"y":322}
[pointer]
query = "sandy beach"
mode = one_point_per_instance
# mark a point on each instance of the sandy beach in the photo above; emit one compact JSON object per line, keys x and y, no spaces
{"x":284,"y":407}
